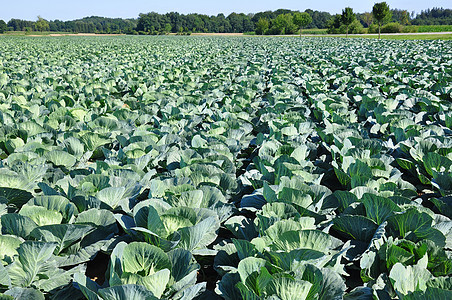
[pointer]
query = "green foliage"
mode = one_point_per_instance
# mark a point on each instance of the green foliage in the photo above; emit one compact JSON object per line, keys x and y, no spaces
{"x":282,"y":166}
{"x":302,"y":19}
{"x":400,"y":16}
{"x":261,"y":22}
{"x":392,"y":28}
{"x":337,"y":27}
{"x":365,"y":18}
{"x":347,"y":17}
{"x":262,"y":26}
{"x":3,"y":26}
{"x":41,"y":24}
{"x":334,"y":24}
{"x":283,"y":24}
{"x":434,"y":16}
{"x":160,"y":23}
{"x":381,"y":14}
{"x":432,"y":28}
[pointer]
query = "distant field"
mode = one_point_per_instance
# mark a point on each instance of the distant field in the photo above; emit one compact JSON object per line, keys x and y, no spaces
{"x":404,"y":36}
{"x":418,"y":37}
{"x":314,"y":31}
{"x":433,"y":28}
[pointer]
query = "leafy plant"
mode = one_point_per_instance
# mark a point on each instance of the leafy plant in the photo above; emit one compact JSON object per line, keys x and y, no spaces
{"x":204,"y":167}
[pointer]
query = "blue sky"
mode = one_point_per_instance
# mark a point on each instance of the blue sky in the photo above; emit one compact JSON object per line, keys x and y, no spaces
{"x":74,"y":9}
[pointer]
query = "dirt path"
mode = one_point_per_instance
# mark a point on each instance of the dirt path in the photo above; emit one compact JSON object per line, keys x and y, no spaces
{"x":72,"y":34}
{"x":217,"y":34}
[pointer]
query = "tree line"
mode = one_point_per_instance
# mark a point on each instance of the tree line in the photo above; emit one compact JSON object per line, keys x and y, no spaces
{"x":435,"y":16}
{"x":386,"y":20}
{"x":281,"y":21}
{"x":85,"y":25}
{"x":349,"y":22}
{"x":155,"y":23}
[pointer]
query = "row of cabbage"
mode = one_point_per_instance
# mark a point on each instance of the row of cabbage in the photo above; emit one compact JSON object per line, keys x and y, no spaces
{"x":295,"y":168}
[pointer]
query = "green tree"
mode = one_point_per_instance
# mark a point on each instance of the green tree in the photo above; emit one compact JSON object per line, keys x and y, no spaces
{"x":168,"y":28}
{"x":400,"y":16}
{"x":347,"y":17}
{"x":381,"y":14}
{"x":3,"y":26}
{"x":41,"y":24}
{"x":405,"y":18}
{"x":283,"y":24}
{"x":302,"y":20}
{"x":262,"y":26}
{"x":367,"y":18}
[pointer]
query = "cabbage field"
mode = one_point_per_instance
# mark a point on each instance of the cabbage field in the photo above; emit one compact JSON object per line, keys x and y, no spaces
{"x":225,"y":168}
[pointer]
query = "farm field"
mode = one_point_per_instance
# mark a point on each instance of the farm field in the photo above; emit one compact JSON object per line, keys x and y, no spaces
{"x":225,"y":168}
{"x":433,"y":28}
{"x":403,"y":36}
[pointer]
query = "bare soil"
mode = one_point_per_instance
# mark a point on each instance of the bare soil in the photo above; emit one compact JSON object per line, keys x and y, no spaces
{"x":73,"y":34}
{"x":217,"y":34}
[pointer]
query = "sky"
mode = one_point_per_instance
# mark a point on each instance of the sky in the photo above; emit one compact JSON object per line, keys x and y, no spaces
{"x":76,"y":9}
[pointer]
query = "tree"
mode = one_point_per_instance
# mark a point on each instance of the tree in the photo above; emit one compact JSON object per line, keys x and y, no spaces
{"x":41,"y":24}
{"x":319,"y":18}
{"x":236,"y":21}
{"x":302,"y":20}
{"x":405,"y":19}
{"x":400,"y":16}
{"x":19,"y":25}
{"x":434,"y":16}
{"x":347,"y":17}
{"x":283,"y":24}
{"x":262,"y":26}
{"x":367,"y":18}
{"x":3,"y":26}
{"x":248,"y":25}
{"x":381,"y":14}
{"x":168,"y":28}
